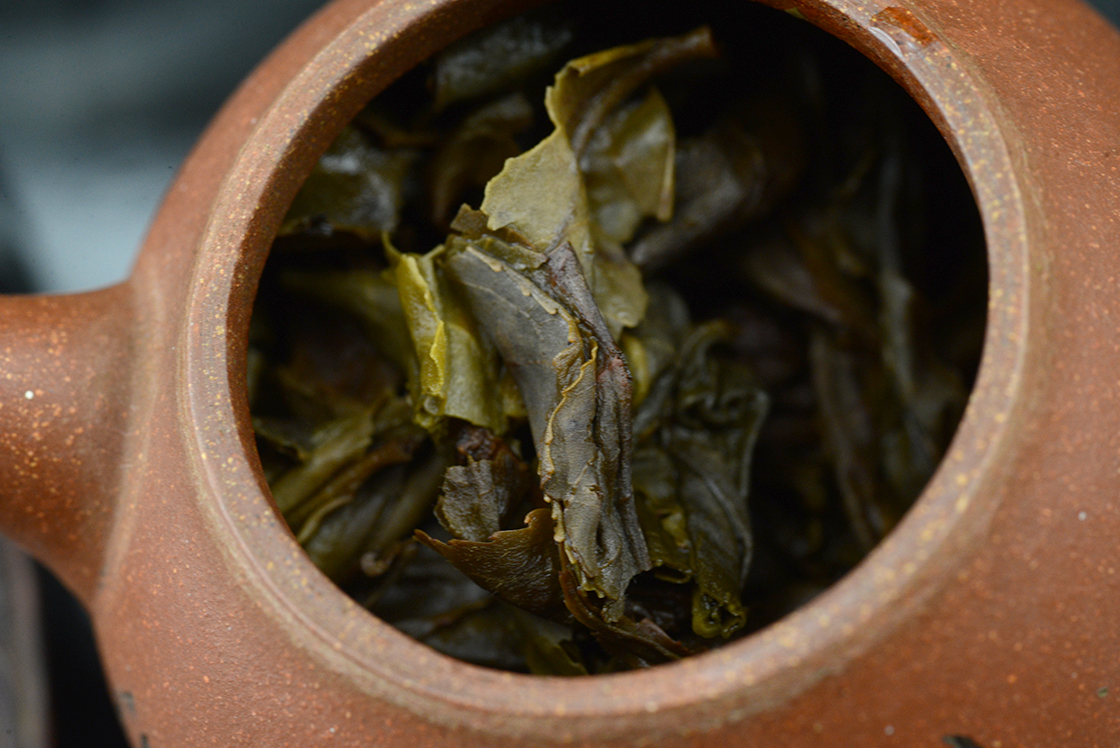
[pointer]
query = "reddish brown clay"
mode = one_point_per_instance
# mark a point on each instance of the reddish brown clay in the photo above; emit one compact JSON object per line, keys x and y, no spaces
{"x":993,"y":611}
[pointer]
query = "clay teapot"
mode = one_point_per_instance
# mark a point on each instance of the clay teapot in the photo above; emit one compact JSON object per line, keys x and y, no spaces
{"x":127,"y":461}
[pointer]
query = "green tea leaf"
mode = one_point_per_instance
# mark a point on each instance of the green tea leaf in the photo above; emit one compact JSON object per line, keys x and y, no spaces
{"x":628,"y":169}
{"x":373,"y":298}
{"x":458,"y":372}
{"x":337,"y":544}
{"x":636,"y":643}
{"x":733,"y":174}
{"x":692,"y":476}
{"x":541,"y":194}
{"x":548,"y":646}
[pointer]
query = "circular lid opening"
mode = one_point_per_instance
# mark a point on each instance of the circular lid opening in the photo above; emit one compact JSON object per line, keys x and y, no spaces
{"x":858,"y":278}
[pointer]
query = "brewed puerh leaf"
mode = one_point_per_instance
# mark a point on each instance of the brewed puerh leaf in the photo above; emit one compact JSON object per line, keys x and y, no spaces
{"x":669,"y":378}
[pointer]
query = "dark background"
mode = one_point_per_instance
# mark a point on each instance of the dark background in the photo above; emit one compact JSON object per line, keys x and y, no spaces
{"x":100,"y":101}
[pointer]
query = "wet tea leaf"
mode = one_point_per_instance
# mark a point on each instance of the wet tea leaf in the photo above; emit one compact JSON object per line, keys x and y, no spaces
{"x":528,"y":433}
{"x":521,"y":567}
{"x":355,"y":187}
{"x":576,"y":427}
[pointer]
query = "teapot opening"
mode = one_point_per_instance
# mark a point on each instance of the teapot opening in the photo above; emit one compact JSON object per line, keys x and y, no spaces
{"x":785,"y":258}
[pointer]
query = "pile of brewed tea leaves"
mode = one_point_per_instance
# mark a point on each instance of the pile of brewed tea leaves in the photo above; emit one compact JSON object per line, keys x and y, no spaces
{"x":667,"y":375}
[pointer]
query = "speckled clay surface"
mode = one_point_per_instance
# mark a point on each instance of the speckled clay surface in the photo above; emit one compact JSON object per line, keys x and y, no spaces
{"x":993,"y":611}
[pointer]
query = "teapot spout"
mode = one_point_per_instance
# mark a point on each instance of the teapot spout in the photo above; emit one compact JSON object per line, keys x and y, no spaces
{"x":66,"y":370}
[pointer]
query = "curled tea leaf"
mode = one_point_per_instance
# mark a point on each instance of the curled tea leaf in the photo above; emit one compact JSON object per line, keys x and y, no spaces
{"x":475,"y":151}
{"x":734,"y":173}
{"x":692,"y":476}
{"x":541,"y":194}
{"x":636,"y":643}
{"x":478,"y":495}
{"x":521,"y":567}
{"x":458,"y":373}
{"x":336,"y":444}
{"x":579,"y":442}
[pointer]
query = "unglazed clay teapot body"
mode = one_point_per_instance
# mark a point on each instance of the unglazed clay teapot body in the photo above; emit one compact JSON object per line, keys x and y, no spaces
{"x":127,"y":461}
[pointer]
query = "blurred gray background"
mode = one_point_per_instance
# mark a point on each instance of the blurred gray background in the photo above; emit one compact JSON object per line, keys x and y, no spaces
{"x":100,"y":100}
